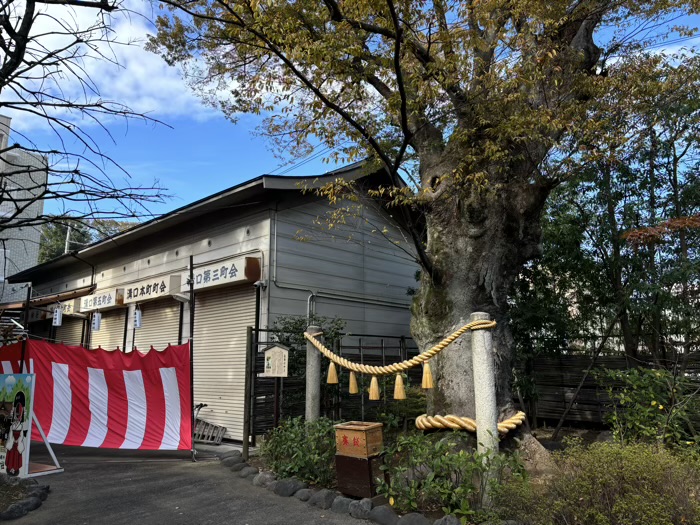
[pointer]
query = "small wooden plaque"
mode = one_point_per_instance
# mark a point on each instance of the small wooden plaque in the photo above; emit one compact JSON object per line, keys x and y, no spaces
{"x":358,"y":439}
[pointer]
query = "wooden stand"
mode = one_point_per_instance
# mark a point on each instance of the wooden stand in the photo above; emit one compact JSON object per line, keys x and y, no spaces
{"x":358,"y":458}
{"x":356,"y":476}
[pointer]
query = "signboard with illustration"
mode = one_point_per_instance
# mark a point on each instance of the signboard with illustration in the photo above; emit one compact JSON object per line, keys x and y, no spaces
{"x":16,"y":406}
{"x":276,"y":361}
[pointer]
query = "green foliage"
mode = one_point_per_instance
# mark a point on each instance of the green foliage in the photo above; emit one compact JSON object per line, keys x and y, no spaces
{"x":442,"y":471}
{"x":397,"y":416}
{"x":607,"y":484}
{"x":303,"y":450}
{"x":82,"y":233}
{"x":651,"y":406}
{"x":289,"y":331}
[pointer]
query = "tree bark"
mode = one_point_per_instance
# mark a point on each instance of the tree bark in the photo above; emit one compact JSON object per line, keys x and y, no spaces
{"x":478,"y":243}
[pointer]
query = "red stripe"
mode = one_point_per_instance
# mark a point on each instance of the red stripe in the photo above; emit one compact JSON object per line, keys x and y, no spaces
{"x":80,"y":405}
{"x":43,"y":396}
{"x":117,"y":409}
{"x":155,"y":409}
{"x":184,"y":384}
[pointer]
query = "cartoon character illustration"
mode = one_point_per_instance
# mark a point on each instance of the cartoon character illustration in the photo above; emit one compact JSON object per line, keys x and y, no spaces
{"x":17,"y":437}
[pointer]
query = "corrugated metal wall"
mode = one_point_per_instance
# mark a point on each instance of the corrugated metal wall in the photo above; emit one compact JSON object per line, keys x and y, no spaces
{"x":70,"y":332}
{"x":160,"y":325}
{"x":221,"y":318}
{"x":111,"y":332}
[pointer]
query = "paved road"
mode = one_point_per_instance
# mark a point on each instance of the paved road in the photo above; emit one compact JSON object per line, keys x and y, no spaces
{"x":131,"y":488}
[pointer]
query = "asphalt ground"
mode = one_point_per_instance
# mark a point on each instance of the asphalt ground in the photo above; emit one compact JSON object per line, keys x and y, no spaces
{"x":114,"y":487}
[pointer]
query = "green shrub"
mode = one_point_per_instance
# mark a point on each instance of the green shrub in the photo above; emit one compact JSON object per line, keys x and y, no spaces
{"x":608,"y":484}
{"x":301,"y":449}
{"x":650,"y":406}
{"x":441,"y":471}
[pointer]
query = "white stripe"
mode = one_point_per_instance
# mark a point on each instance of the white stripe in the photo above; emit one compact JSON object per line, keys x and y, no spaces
{"x":60,"y":420}
{"x":171,"y":435}
{"x":7,"y":367}
{"x":31,"y":366}
{"x":99,"y":398}
{"x":136,"y":396}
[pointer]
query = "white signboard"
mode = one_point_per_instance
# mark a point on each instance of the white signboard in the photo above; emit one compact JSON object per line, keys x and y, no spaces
{"x":102,"y":300}
{"x":47,"y":312}
{"x":224,"y":272}
{"x":152,"y":289}
{"x":276,"y":361}
{"x":57,"y":316}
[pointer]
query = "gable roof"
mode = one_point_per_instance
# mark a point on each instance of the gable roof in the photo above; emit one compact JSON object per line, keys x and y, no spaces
{"x":240,"y":193}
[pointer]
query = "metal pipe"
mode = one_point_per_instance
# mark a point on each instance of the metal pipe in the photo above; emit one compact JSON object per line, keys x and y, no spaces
{"x":190,"y":282}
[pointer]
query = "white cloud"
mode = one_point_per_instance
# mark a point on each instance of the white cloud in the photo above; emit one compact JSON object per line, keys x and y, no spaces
{"x":129,"y":74}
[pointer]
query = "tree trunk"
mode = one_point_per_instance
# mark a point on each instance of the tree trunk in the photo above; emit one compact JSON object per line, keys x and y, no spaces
{"x":478,"y":244}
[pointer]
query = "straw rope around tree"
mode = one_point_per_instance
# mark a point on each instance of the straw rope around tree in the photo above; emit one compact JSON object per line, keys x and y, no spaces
{"x":403,"y":365}
{"x":426,"y":422}
{"x":423,"y":422}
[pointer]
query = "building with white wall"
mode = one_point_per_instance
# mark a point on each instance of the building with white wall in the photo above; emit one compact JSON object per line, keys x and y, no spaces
{"x":23,"y":178}
{"x":260,"y":250}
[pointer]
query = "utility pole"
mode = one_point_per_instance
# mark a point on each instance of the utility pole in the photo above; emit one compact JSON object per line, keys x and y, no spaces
{"x":65,"y":247}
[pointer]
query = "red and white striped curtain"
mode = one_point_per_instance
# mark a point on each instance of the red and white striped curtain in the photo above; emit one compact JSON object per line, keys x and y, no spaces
{"x":97,"y":398}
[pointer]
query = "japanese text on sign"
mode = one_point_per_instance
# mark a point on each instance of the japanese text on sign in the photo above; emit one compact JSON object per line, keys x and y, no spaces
{"x":224,"y":272}
{"x":104,"y":299}
{"x":151,"y":288}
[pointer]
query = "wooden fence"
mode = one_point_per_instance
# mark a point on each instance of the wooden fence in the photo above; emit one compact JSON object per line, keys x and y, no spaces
{"x":556,"y":379}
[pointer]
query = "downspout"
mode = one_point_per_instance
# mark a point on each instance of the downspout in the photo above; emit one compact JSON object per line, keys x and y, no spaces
{"x":310,"y":309}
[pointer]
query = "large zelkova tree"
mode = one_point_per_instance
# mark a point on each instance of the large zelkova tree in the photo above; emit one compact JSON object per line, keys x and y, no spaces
{"x":47,"y":48}
{"x":474,"y":101}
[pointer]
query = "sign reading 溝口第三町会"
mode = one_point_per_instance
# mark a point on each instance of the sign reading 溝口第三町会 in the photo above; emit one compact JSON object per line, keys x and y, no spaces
{"x":16,"y":408}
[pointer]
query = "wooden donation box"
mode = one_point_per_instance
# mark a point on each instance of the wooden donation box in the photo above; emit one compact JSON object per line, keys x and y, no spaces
{"x":358,"y":457}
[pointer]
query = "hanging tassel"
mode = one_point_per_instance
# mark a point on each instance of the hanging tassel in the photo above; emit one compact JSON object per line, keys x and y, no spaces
{"x":427,"y":377}
{"x":353,"y":383}
{"x":332,"y":375}
{"x":374,"y":389}
{"x":399,"y":391}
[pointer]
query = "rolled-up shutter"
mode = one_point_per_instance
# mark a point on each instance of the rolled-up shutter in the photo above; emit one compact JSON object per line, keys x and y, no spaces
{"x":221,"y":318}
{"x":160,"y":325}
{"x":40,"y":329}
{"x":70,"y":332}
{"x":111,"y":332}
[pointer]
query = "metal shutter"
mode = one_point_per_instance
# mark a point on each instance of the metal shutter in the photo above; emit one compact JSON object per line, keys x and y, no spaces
{"x":40,"y":329}
{"x":160,"y":325}
{"x":221,"y":318}
{"x":70,"y":332}
{"x":111,"y":332}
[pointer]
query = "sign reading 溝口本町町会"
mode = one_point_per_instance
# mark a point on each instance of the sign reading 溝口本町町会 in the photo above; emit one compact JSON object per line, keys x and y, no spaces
{"x":229,"y":271}
{"x":151,"y":288}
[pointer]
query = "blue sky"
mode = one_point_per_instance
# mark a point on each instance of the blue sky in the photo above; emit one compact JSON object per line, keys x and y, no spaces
{"x":198,"y":153}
